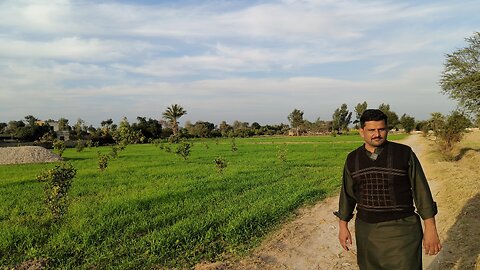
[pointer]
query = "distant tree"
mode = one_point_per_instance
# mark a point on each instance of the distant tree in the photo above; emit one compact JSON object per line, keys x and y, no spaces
{"x":125,"y":134}
{"x":63,"y":124}
{"x":172,"y":114}
{"x":407,"y":122}
{"x":31,"y":120}
{"x":104,"y":135}
{"x":452,"y":130}
{"x":436,"y":122}
{"x":26,"y":132}
{"x":107,"y":123}
{"x":107,"y":127}
{"x":241,"y":129}
{"x":461,"y":75}
{"x":296,"y":120}
{"x":3,"y":127}
{"x":200,"y":129}
{"x":256,"y":126}
{"x":14,"y":126}
{"x":281,"y":129}
{"x":422,"y":126}
{"x":392,"y":116}
{"x":319,"y":126}
{"x":341,"y":118}
{"x":167,"y":130}
{"x":150,"y":129}
{"x":79,"y":129}
{"x":225,"y":129}
{"x":359,"y":109}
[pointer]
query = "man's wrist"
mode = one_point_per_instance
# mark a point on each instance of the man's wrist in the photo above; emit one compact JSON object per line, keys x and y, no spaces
{"x":430,"y":224}
{"x":343,"y":223}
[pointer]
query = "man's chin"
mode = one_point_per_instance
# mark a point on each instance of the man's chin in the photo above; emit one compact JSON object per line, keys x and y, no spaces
{"x":378,"y":143}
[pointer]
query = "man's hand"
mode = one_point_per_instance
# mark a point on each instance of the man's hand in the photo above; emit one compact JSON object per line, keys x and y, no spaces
{"x":431,"y":242}
{"x":344,"y":235}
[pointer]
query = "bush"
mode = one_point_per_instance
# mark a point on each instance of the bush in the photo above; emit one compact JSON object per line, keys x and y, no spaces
{"x":234,"y":145}
{"x":282,"y":153}
{"x":102,"y":161}
{"x":174,"y":139}
{"x":57,"y":184}
{"x":183,"y":149}
{"x":452,"y":131}
{"x":220,"y":164}
{"x":59,"y":146}
{"x":166,"y":147}
{"x":156,"y":142}
{"x":80,"y":146}
{"x":116,"y":149}
{"x":46,"y":140}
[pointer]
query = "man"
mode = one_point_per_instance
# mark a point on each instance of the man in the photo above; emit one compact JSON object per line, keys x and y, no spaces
{"x":382,"y":179}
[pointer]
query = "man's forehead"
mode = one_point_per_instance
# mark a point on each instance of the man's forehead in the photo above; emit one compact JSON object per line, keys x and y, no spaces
{"x":375,"y":124}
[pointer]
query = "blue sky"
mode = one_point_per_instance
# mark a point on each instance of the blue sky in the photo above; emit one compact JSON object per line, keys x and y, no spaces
{"x":225,"y":60}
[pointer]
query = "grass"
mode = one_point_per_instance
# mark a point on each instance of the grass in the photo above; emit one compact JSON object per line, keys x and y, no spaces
{"x":152,"y":209}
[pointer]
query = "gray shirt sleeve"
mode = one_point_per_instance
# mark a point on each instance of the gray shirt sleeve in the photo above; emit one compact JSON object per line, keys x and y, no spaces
{"x":347,"y":199}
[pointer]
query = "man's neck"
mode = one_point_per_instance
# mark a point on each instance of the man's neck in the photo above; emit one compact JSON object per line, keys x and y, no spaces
{"x":370,"y":148}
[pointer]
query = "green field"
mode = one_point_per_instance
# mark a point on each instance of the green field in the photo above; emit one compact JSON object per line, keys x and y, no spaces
{"x":151,"y":208}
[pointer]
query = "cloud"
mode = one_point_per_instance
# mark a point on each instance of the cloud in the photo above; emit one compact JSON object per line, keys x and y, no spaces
{"x":73,"y":48}
{"x":385,"y":67}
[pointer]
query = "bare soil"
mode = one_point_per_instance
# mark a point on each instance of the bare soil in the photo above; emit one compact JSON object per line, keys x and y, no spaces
{"x":310,"y":240}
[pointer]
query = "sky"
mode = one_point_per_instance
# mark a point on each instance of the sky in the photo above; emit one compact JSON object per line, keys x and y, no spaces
{"x":252,"y":61}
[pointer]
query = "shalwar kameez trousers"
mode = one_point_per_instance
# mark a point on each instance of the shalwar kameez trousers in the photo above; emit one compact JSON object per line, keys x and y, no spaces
{"x":394,"y":244}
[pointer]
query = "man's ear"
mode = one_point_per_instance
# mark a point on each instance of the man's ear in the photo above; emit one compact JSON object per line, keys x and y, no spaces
{"x":360,"y":131}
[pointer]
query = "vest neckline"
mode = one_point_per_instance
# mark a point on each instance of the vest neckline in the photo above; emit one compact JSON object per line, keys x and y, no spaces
{"x":378,"y":151}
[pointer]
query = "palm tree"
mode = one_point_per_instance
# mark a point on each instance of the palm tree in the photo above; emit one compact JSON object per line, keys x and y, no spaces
{"x":172,"y":114}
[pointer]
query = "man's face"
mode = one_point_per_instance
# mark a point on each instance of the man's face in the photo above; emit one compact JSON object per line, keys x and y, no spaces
{"x":374,"y":133}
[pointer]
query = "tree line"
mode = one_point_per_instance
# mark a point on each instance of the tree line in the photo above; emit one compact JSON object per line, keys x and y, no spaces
{"x":142,"y":131}
{"x":342,"y":121}
{"x":148,"y":129}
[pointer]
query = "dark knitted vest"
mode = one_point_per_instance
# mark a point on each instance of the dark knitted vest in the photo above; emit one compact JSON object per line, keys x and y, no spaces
{"x":382,"y":186}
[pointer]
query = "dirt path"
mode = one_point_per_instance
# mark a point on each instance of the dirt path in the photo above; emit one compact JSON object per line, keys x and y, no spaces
{"x":310,"y":240}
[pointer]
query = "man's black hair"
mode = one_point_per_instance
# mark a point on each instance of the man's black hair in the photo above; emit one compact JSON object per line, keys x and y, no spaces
{"x":372,"y":115}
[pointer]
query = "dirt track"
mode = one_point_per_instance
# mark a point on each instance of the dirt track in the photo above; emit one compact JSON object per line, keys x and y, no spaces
{"x":310,"y":240}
